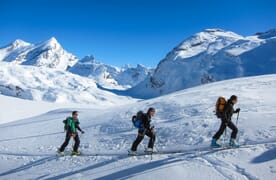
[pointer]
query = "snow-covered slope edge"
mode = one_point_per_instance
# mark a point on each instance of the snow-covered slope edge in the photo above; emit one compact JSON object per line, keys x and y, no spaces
{"x":183,"y":120}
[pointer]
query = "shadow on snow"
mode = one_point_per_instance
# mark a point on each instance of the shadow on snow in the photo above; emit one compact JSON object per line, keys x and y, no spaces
{"x":266,"y":156}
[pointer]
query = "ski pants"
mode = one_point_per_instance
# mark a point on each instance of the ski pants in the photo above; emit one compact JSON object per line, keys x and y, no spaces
{"x":222,"y":128}
{"x":67,"y":139}
{"x":140,"y":137}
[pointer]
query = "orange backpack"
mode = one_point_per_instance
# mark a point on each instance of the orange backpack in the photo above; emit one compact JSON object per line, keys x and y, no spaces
{"x":220,"y":104}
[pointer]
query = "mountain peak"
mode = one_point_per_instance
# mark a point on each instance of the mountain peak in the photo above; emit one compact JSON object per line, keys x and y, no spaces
{"x":19,"y":43}
{"x":47,"y":53}
{"x":52,"y":42}
{"x":88,"y":59}
{"x":268,"y":34}
{"x":209,"y":40}
{"x":219,"y":32}
{"x":214,"y":30}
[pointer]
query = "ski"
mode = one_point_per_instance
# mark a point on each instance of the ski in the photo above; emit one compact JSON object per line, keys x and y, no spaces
{"x":66,"y":153}
{"x":142,"y":154}
{"x":192,"y":150}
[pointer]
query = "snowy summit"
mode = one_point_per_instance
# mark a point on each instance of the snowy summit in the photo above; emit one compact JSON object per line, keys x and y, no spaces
{"x":47,"y":54}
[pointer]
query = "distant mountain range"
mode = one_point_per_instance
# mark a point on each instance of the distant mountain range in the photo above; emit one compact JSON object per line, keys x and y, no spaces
{"x":110,"y":76}
{"x":51,"y":54}
{"x":45,"y":71}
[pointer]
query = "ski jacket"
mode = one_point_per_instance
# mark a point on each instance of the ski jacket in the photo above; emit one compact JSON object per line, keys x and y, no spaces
{"x":73,"y":125}
{"x":228,"y":111}
{"x":146,"y":119}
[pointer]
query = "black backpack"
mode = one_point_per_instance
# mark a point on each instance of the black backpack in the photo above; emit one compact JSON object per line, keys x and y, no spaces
{"x":65,"y":122}
{"x":137,"y":119}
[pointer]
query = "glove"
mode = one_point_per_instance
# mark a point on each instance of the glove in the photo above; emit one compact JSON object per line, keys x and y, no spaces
{"x":152,"y":129}
{"x":238,"y":110}
{"x":82,"y":132}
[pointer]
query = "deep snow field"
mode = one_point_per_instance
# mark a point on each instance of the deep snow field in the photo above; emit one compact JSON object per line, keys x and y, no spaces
{"x":32,"y":131}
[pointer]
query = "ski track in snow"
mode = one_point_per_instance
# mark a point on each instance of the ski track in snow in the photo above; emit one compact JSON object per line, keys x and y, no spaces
{"x":227,"y":169}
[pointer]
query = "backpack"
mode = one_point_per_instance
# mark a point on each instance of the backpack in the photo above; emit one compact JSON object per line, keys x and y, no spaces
{"x":137,"y":119}
{"x":65,"y":122}
{"x":220,"y":104}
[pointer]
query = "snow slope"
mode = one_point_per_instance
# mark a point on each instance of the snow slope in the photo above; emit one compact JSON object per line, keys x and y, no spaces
{"x":184,"y":121}
{"x":16,"y":109}
{"x":52,"y":85}
{"x":208,"y":56}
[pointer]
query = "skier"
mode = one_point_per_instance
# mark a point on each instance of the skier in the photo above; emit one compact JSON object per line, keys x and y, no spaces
{"x":226,"y":122}
{"x":73,"y":125}
{"x":145,"y":129}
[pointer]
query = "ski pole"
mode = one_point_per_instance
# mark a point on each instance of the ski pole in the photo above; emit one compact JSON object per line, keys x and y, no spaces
{"x":225,"y":134}
{"x":237,"y":119}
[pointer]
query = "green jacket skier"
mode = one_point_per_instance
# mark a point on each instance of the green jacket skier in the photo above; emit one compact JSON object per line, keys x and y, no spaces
{"x":72,"y":124}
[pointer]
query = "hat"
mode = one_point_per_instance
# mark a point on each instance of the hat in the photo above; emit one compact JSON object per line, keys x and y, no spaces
{"x":233,"y":97}
{"x":151,"y":109}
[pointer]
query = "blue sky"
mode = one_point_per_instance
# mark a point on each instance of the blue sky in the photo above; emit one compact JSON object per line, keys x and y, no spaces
{"x":122,"y":32}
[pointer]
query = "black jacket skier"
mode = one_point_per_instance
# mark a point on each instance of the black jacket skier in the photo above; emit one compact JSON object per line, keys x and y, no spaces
{"x":226,"y":122}
{"x":229,"y":111}
{"x":145,"y":129}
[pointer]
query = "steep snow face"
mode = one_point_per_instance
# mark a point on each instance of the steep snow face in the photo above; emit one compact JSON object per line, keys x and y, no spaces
{"x":47,"y":54}
{"x":209,"y":41}
{"x":17,"y":45}
{"x":44,"y":84}
{"x":209,"y":56}
{"x":131,"y":76}
{"x":267,"y":35}
{"x":101,"y":73}
{"x":110,"y":76}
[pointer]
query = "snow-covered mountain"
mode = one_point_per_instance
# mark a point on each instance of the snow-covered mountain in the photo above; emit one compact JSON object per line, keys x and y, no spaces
{"x":51,"y":54}
{"x":52,"y":85}
{"x":131,"y":76}
{"x":48,"y":54}
{"x":103,"y":74}
{"x":110,"y":76}
{"x":208,"y":56}
{"x":46,"y":72}
{"x":184,"y":121}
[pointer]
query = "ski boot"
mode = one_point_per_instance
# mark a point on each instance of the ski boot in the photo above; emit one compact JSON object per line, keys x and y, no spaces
{"x":149,"y":151}
{"x":233,"y":143}
{"x":60,"y":152}
{"x":132,"y":153}
{"x":214,"y":144}
{"x":75,"y":153}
